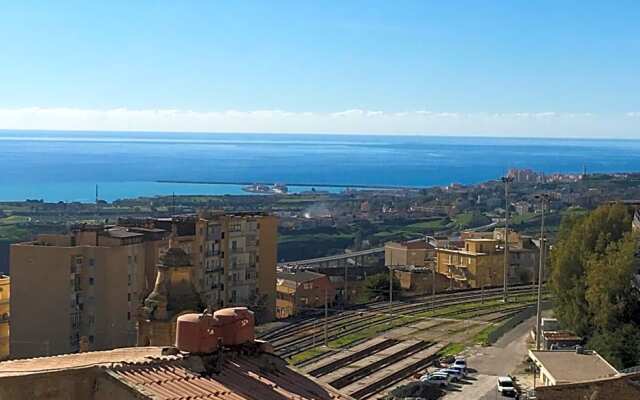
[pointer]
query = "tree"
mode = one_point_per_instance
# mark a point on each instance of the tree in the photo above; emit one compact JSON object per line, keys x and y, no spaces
{"x":377,"y":286}
{"x":592,"y":274}
{"x":581,"y":240}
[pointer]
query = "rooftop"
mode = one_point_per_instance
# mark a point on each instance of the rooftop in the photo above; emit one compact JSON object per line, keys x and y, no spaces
{"x":145,"y":373}
{"x":261,"y":377}
{"x":82,"y":360}
{"x":571,"y":366}
{"x":299,"y":276}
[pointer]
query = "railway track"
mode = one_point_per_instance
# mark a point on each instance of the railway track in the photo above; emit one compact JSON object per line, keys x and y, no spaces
{"x":360,"y":373}
{"x":390,"y":380}
{"x":357,"y":356}
{"x":306,"y":338}
{"x":378,"y":307}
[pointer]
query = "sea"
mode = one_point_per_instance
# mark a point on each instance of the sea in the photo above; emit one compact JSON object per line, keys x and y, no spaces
{"x":67,"y":166}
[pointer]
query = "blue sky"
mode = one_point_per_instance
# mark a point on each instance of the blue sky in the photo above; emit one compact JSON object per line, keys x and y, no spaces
{"x":516,"y":68}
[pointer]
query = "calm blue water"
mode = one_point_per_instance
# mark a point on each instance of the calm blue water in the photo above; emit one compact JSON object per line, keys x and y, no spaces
{"x":66,"y":165}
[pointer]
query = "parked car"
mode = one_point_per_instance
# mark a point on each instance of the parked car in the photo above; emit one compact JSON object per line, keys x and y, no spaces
{"x":435,"y":378}
{"x":463,"y":371}
{"x":454,"y":373}
{"x":460,"y":362}
{"x":505,"y":386}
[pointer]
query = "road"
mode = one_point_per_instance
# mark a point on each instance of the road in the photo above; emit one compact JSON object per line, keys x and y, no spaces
{"x":490,"y":362}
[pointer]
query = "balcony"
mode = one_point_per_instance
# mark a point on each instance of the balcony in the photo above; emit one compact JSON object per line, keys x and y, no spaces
{"x":457,"y":272}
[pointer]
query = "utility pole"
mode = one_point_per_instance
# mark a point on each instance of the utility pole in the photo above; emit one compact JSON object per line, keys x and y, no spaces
{"x":433,"y":275}
{"x":346,"y":284}
{"x":390,"y":293}
{"x":326,"y":317}
{"x":97,"y":205}
{"x":505,"y":294}
{"x":544,"y":199}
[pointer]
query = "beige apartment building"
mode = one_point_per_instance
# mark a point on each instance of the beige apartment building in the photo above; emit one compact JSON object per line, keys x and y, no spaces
{"x":80,"y":291}
{"x":5,"y":291}
{"x":233,"y":255}
{"x":412,"y":252}
{"x":481,"y":261}
{"x":85,"y":290}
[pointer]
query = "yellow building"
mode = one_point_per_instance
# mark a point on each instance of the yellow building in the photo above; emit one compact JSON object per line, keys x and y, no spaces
{"x":479,"y":263}
{"x":412,"y":252}
{"x":81,"y":288}
{"x":5,"y":291}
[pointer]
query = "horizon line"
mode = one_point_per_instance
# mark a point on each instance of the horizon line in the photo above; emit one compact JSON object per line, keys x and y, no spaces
{"x":378,"y":134}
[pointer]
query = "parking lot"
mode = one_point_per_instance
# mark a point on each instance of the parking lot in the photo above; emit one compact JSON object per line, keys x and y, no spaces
{"x":487,"y":363}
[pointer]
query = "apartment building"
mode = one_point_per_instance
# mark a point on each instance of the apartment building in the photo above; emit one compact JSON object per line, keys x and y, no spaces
{"x":5,"y":291}
{"x":478,"y":264}
{"x":234,"y":257}
{"x":416,"y":252}
{"x":82,"y":290}
{"x":300,"y":290}
{"x":479,"y":260}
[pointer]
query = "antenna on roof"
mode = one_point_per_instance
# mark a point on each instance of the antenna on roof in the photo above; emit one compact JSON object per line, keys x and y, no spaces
{"x":173,"y":204}
{"x":97,"y":205}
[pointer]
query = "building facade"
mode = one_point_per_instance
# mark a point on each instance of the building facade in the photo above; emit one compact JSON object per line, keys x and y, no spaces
{"x":174,"y":294}
{"x":5,"y":294}
{"x":413,"y":252}
{"x":480,"y":262}
{"x":83,"y":287}
{"x":233,"y":256}
{"x":302,"y":290}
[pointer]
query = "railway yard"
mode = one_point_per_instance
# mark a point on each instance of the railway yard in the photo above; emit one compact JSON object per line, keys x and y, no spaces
{"x":369,"y":351}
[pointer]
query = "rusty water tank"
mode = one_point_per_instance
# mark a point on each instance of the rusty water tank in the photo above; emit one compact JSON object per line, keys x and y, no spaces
{"x":237,"y":325}
{"x":197,"y":333}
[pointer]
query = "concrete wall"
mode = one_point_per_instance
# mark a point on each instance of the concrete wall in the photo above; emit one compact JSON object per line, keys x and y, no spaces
{"x":60,"y":385}
{"x":40,"y":300}
{"x":268,"y":252}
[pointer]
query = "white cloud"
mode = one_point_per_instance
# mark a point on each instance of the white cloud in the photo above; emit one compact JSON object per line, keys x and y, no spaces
{"x":549,"y":123}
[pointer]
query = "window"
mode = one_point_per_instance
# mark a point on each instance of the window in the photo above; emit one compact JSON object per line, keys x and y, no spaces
{"x":129,"y":316}
{"x":234,"y":245}
{"x":128,"y":296}
{"x":91,"y":281}
{"x":91,"y":339}
{"x":92,"y":262}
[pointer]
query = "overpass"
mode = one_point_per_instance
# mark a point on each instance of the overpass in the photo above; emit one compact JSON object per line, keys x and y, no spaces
{"x":337,"y":260}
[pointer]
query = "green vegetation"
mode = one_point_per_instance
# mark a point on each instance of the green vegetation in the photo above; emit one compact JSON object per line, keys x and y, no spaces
{"x":13,"y":219}
{"x":593,"y":267}
{"x":308,"y":354}
{"x":482,"y":337}
{"x":452,"y":349}
{"x":471,"y":219}
{"x":377,"y":286}
{"x":12,"y":233}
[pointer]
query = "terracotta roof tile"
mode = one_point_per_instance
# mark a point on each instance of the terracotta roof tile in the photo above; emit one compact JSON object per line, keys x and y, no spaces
{"x":241,"y":378}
